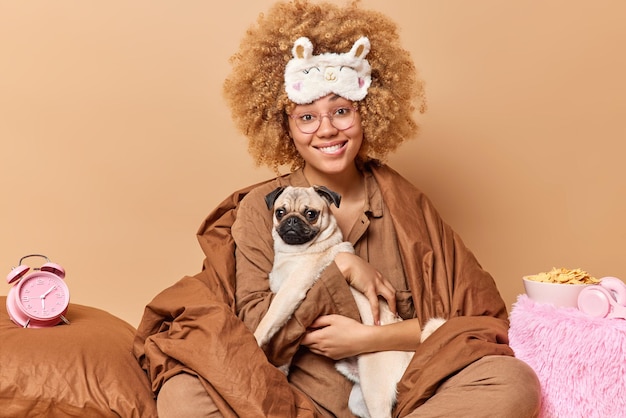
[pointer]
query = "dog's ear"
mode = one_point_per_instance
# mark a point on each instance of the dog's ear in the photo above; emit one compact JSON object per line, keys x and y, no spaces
{"x":329,"y":195}
{"x":271,"y":197}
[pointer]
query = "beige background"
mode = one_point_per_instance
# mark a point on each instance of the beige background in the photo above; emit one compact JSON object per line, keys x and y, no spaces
{"x":115,"y":141}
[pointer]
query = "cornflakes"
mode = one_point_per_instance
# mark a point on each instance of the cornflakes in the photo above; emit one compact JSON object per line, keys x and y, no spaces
{"x":564,"y":276}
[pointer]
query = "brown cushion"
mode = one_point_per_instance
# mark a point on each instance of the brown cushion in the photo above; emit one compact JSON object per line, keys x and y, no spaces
{"x":83,"y":369}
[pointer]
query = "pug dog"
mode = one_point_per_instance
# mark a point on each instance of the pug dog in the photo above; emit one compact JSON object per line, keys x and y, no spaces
{"x":306,"y":240}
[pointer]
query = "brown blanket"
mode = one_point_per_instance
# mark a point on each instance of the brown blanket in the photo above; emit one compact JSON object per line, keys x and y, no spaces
{"x":192,"y":327}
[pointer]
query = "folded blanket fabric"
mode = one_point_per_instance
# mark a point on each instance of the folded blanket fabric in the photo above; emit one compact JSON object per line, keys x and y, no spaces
{"x":580,"y":360}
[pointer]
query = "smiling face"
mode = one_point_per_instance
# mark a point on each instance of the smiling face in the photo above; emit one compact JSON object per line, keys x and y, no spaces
{"x":327,"y":151}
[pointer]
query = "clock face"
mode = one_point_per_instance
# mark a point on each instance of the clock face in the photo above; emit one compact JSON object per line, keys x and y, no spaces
{"x":43,"y":295}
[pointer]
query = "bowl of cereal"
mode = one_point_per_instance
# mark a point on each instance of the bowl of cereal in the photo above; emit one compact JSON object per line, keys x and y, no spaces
{"x":559,"y":287}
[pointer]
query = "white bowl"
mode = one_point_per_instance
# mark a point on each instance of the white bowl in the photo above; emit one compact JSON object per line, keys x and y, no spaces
{"x":558,"y":294}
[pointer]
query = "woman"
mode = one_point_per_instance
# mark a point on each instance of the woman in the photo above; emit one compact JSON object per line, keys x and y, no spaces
{"x":328,"y":91}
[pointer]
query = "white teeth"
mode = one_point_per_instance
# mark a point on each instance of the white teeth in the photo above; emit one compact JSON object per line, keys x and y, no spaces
{"x":330,"y":150}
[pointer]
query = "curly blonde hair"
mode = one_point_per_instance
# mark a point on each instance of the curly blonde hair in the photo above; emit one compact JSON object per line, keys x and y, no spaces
{"x":255,"y":89}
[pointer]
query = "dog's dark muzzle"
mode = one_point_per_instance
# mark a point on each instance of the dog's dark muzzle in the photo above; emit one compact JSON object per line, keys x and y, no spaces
{"x":295,"y":231}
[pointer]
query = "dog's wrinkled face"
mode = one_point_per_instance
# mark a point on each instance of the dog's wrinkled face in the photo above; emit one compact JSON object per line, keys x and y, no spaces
{"x":300,"y":213}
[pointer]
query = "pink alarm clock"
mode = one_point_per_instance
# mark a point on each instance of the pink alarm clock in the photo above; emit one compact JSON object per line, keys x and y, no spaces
{"x":39,"y":299}
{"x":606,"y":299}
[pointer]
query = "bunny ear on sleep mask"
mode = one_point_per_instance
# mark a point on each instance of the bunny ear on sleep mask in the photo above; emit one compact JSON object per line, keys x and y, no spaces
{"x":309,"y":77}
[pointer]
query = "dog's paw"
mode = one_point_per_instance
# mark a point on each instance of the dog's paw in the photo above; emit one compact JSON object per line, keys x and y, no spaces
{"x":431,"y":326}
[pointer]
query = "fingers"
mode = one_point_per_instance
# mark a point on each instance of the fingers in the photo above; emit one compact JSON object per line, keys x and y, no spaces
{"x":307,"y":340}
{"x":388,"y":292}
{"x":380,"y":287}
{"x":312,"y":337}
{"x":384,"y":289}
{"x":369,"y":281}
{"x":322,"y":321}
{"x":375,"y":304}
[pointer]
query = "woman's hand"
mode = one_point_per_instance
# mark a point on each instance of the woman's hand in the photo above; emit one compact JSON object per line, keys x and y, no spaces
{"x":337,"y":337}
{"x":367,"y":280}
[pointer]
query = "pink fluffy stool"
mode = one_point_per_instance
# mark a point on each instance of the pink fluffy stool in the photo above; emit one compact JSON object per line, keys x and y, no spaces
{"x":580,"y":360}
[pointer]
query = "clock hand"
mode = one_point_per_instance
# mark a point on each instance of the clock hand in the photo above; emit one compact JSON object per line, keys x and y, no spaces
{"x":48,"y":292}
{"x":43,"y":297}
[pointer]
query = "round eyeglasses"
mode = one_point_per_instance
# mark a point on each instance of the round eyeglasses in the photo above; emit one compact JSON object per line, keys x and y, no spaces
{"x":341,"y":118}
